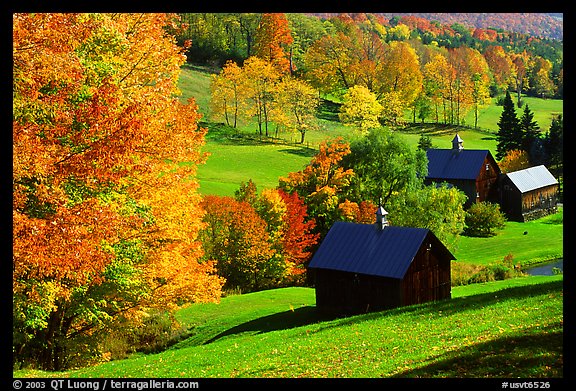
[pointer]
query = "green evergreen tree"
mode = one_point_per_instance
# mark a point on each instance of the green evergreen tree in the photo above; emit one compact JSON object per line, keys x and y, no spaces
{"x":510,"y":134}
{"x":424,"y":142}
{"x":529,"y":127}
{"x":555,"y":141}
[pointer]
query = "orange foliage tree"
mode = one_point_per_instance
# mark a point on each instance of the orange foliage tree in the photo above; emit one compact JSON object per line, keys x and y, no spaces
{"x":514,"y":160}
{"x":298,"y":238}
{"x":236,"y":237}
{"x":272,"y":38}
{"x":289,"y":228}
{"x":105,"y":211}
{"x":322,"y":183}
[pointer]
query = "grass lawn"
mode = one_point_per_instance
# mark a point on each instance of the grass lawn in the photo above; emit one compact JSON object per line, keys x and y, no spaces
{"x":236,"y":160}
{"x":543,"y":242}
{"x":511,"y":328}
{"x":544,"y":111}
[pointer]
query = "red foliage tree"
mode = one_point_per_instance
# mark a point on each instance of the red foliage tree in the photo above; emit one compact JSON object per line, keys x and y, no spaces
{"x":298,"y":238}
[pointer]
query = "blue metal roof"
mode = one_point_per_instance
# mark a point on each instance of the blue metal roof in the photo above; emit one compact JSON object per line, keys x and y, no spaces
{"x":365,"y":249}
{"x":455,"y":164}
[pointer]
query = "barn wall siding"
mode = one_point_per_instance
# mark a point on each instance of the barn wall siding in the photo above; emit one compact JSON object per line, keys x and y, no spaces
{"x":427,"y":279}
{"x":347,"y":293}
{"x":527,"y":206}
{"x":487,"y":181}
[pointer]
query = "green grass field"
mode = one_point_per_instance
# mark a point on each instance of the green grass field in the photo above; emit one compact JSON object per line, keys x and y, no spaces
{"x":543,"y":242}
{"x":511,"y":328}
{"x":233,"y":161}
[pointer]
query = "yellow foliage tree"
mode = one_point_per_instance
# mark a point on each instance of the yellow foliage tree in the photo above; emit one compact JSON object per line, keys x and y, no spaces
{"x":360,"y":109}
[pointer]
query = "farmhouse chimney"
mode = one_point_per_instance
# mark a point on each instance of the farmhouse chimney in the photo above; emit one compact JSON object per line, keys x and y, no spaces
{"x":381,"y":221}
{"x":457,"y":143}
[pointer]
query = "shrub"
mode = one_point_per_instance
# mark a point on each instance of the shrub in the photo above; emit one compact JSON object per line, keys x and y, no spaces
{"x":467,"y":273}
{"x":483,"y":219}
{"x":156,"y":333}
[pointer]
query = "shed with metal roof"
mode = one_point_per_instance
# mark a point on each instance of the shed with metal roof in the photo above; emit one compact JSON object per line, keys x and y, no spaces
{"x":473,"y":171}
{"x":528,"y":194}
{"x":371,"y":267}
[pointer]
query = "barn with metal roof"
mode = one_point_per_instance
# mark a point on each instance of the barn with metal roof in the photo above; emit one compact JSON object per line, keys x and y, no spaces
{"x":528,"y":194}
{"x":473,"y":171}
{"x":370,"y":267}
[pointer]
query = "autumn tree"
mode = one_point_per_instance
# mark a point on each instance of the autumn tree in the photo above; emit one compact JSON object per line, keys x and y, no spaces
{"x":514,"y":160}
{"x":322,"y":183}
{"x":360,"y":109}
{"x":298,"y":238}
{"x":289,"y":228}
{"x":260,"y":78}
{"x":468,"y":64}
{"x":227,"y":94}
{"x":479,"y":79}
{"x":105,"y":218}
{"x":437,"y":76}
{"x":272,"y":40}
{"x":539,"y":77}
{"x":501,"y":67}
{"x":295,"y":105}
{"x":399,"y":74}
{"x":328,"y":61}
{"x":520,"y":65}
{"x":236,"y":237}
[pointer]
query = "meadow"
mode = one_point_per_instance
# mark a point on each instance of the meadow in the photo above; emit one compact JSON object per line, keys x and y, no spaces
{"x":529,"y":243}
{"x":238,"y":155}
{"x":511,"y":328}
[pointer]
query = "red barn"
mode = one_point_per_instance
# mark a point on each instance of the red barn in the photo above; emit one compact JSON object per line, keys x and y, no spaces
{"x":371,"y":267}
{"x":474,"y":171}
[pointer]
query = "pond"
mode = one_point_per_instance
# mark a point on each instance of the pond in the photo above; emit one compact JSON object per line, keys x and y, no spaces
{"x":545,"y":269}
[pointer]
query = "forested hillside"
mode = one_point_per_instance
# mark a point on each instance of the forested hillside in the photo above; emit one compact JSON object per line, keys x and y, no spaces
{"x":545,"y":25}
{"x":334,"y":52}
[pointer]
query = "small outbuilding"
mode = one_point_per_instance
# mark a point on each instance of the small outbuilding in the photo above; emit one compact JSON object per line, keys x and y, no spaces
{"x":528,"y":194}
{"x":360,"y":268}
{"x":474,"y":171}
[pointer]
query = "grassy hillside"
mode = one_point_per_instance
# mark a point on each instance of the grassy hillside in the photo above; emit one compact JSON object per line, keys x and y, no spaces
{"x":543,"y":241}
{"x":238,"y":155}
{"x":234,"y":160}
{"x":511,"y":328}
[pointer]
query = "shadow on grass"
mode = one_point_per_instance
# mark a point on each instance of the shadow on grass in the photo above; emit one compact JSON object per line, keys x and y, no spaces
{"x":457,"y":305}
{"x":279,"y":321}
{"x":511,"y":356}
{"x":328,"y":110}
{"x":308,"y":315}
{"x":302,"y":151}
